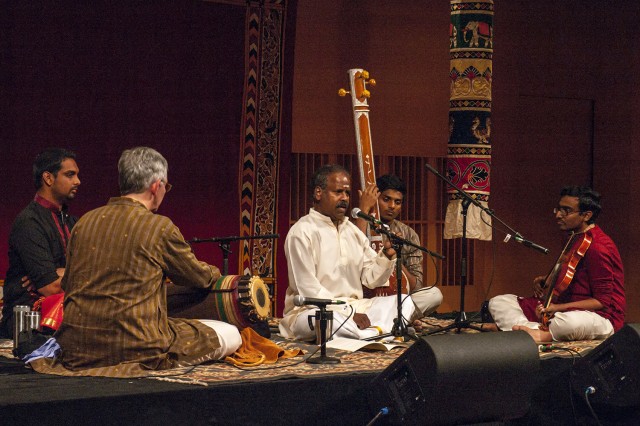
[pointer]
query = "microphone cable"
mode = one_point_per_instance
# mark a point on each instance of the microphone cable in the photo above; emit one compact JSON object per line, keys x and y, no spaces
{"x":383,"y":412}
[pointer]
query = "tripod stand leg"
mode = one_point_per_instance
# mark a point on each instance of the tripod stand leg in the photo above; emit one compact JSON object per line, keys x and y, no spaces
{"x":461,"y":320}
{"x":322,"y":317}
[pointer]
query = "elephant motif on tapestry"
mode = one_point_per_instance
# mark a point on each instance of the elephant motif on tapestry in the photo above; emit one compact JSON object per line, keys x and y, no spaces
{"x":479,"y":31}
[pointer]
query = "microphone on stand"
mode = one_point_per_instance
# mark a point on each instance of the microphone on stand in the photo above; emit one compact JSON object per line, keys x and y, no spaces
{"x":530,"y":244}
{"x":302,"y":301}
{"x":357,"y":213}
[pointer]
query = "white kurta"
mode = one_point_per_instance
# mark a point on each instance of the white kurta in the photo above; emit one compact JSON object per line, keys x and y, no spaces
{"x":326,"y":262}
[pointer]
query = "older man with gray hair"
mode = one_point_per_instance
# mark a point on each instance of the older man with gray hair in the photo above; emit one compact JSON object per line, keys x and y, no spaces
{"x":115,"y":319}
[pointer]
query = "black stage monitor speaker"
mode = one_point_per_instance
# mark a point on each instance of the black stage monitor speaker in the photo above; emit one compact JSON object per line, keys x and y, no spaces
{"x":612,"y":370}
{"x":453,"y":379}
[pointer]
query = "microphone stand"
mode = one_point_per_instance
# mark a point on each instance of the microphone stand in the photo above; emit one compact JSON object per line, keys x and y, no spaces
{"x":465,"y":195}
{"x":225,"y":245}
{"x":322,"y":316}
{"x":461,"y":320}
{"x":399,"y":328}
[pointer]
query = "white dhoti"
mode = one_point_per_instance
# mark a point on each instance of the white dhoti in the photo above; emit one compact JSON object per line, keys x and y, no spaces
{"x":380,"y":310}
{"x":571,"y":325}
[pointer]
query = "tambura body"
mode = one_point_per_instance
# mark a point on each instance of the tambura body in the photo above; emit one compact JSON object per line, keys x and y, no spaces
{"x":241,"y":300}
{"x":386,"y":290}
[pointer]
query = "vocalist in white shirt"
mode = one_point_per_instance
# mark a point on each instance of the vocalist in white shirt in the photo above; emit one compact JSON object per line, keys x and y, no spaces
{"x":328,"y":257}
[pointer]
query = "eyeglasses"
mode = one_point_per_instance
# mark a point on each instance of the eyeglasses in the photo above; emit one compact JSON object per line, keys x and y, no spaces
{"x":167,"y":186}
{"x":564,"y":211}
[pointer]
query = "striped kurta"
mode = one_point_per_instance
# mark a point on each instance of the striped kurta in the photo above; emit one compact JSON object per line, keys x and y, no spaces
{"x":115,"y":311}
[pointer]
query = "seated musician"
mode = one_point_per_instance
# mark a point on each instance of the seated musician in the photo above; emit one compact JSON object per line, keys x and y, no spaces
{"x":389,"y":192}
{"x":38,"y":238}
{"x":115,"y":319}
{"x":328,"y":257}
{"x":592,"y":306}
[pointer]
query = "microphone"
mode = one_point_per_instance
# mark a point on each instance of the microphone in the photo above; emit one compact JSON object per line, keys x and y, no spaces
{"x":357,"y":213}
{"x":299,"y":300}
{"x":530,"y":244}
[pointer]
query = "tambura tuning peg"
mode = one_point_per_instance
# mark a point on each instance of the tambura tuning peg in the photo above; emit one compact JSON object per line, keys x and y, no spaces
{"x":371,"y":82}
{"x":342,"y":92}
{"x":366,"y":93}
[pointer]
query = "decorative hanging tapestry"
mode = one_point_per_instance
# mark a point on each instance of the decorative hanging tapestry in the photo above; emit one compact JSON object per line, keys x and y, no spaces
{"x":260,"y":142}
{"x":469,"y":149}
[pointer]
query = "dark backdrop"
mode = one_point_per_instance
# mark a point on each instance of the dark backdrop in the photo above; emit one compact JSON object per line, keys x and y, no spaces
{"x":564,"y":111}
{"x":100,"y":77}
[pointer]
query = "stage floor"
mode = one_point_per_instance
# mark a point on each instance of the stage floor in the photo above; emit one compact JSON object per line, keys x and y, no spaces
{"x":289,"y":392}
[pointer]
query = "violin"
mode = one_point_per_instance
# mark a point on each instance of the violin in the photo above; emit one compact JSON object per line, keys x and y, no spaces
{"x":568,"y":261}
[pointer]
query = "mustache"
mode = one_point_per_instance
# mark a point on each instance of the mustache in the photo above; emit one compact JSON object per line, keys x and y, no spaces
{"x":343,"y":204}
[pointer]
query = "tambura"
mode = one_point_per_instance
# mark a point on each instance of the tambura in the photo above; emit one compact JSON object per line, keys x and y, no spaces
{"x":241,"y":300}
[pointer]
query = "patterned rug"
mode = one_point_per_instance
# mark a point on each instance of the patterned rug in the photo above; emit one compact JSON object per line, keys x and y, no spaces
{"x":360,"y":362}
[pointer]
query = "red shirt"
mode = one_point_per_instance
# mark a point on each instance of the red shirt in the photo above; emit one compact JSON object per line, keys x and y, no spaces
{"x":599,"y":275}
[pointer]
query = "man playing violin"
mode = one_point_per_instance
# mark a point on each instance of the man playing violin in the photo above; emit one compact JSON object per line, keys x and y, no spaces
{"x":585,"y":299}
{"x":389,"y":192}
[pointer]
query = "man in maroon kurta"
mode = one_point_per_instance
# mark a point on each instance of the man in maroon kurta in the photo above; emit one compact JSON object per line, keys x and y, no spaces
{"x":593,"y":305}
{"x":115,"y":312}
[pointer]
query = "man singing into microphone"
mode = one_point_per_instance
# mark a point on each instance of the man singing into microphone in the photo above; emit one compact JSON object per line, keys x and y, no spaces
{"x":328,"y":257}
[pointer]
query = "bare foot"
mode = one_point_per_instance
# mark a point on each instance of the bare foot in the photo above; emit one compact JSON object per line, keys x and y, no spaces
{"x":539,"y":336}
{"x":418,"y":325}
{"x":489,"y":326}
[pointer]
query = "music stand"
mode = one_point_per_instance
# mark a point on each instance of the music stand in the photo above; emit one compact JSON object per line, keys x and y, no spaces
{"x":461,"y":320}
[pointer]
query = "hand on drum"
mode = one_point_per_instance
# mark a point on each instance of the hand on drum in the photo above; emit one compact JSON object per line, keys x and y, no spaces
{"x":362,"y":321}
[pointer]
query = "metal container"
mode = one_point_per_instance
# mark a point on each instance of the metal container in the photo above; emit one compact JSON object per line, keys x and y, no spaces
{"x":314,"y":324}
{"x":32,"y":320}
{"x":19,"y":321}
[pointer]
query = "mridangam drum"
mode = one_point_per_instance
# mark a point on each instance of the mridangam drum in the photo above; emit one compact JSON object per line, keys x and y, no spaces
{"x":241,"y":300}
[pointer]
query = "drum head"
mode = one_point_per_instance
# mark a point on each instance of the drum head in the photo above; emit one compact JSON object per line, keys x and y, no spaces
{"x":260,"y":297}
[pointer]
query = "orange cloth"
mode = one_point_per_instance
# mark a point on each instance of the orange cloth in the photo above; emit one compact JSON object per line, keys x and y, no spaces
{"x":256,"y":350}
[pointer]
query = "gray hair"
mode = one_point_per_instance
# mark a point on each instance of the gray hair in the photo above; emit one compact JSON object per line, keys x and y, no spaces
{"x":138,"y":168}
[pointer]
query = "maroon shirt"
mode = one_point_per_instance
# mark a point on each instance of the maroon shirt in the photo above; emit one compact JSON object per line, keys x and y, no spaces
{"x":599,"y":275}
